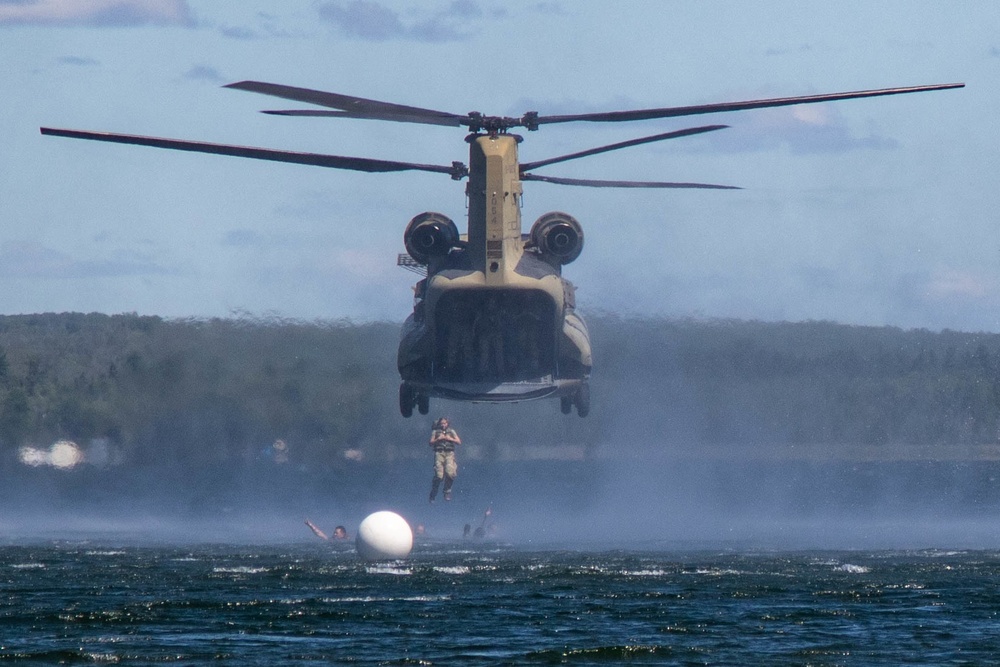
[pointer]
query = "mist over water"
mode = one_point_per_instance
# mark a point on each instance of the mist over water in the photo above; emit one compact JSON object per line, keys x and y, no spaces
{"x":785,"y":505}
{"x":633,"y":493}
{"x":673,"y":455}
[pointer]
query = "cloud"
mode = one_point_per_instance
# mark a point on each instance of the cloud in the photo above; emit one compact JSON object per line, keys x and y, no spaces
{"x":943,"y":286}
{"x":77,"y":61}
{"x":204,"y":73}
{"x":267,"y":25}
{"x":550,"y":8}
{"x":369,"y":21}
{"x":947,"y":284}
{"x":30,"y":259}
{"x":95,"y":13}
{"x":372,"y":21}
{"x":236,"y":32}
{"x":243,"y":238}
{"x":812,"y":129}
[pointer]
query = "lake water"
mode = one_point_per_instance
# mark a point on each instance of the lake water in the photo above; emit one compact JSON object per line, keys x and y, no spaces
{"x":473,"y":602}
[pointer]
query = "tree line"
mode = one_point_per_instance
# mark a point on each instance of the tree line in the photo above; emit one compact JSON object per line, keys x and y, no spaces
{"x":207,"y":392}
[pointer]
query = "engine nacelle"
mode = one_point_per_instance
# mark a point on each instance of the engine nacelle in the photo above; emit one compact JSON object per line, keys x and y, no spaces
{"x":430,"y":235}
{"x":558,"y":236}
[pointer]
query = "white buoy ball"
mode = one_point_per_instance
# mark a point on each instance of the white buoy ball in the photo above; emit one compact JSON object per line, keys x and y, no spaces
{"x":384,"y":535}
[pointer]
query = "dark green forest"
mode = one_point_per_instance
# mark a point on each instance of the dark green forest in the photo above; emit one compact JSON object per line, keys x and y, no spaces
{"x":160,"y":393}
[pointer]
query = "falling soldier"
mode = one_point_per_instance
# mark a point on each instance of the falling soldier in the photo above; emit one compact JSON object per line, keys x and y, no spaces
{"x":443,"y":441}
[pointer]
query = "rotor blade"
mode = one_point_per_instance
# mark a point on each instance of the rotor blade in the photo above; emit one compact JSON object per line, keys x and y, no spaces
{"x":671,"y":112}
{"x":356,"y":107}
{"x":399,"y":118}
{"x":625,"y":184}
{"x":528,"y":166}
{"x":314,"y":159}
{"x":321,"y":113}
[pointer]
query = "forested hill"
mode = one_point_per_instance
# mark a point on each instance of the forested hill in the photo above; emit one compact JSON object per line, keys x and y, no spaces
{"x":157,"y":392}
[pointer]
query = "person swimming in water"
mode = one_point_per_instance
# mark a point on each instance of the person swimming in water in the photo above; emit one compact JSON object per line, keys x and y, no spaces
{"x":339,"y":533}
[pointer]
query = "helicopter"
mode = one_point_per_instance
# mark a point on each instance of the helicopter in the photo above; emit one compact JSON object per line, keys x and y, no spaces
{"x":493,"y":320}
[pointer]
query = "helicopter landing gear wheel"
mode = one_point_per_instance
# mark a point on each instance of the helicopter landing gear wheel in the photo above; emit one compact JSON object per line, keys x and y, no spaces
{"x":407,"y":398}
{"x":566,"y":404}
{"x":423,"y":404}
{"x":582,"y":400}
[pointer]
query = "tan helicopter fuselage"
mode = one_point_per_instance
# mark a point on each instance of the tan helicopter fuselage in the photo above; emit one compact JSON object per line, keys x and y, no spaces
{"x":494,"y":319}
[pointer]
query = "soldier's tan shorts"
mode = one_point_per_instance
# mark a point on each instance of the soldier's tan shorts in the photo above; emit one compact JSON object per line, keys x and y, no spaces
{"x":445,"y":465}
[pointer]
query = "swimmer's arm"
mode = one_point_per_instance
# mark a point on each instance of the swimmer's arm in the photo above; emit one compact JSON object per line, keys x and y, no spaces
{"x":319,"y":533}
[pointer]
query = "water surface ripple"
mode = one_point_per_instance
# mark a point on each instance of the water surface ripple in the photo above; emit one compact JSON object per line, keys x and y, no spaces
{"x":453,"y":604}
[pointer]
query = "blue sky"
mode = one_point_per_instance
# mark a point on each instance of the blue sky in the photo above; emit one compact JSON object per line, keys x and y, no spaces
{"x":879,"y":211}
